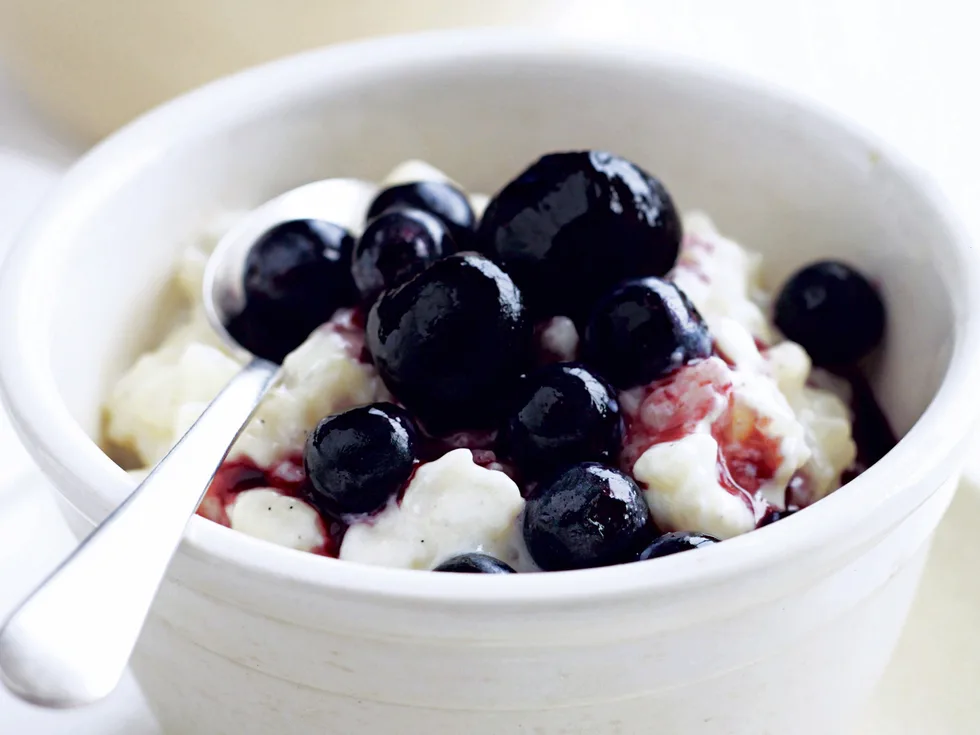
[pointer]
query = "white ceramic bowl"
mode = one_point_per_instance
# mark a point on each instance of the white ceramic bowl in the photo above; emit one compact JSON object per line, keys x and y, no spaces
{"x":784,"y":630}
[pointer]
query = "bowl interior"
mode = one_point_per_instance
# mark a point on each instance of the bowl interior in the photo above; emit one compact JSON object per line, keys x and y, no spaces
{"x":791,"y":183}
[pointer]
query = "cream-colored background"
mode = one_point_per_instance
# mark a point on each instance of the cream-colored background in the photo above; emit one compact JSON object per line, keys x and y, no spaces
{"x":903,"y":67}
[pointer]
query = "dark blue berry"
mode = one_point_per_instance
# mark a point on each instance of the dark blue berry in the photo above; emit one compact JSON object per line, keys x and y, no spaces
{"x":574,"y":225}
{"x":296,"y":276}
{"x":397,"y":246}
{"x":358,"y":459}
{"x":443,"y":200}
{"x":642,"y":331}
{"x":832,"y":311}
{"x":452,"y":342}
{"x":672,"y":543}
{"x":475,"y":564}
{"x":588,"y":516}
{"x":564,"y":414}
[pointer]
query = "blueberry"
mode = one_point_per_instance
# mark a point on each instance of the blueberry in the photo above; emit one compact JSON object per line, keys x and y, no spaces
{"x":452,"y":342}
{"x":564,"y":414}
{"x":296,"y":276}
{"x":672,"y":543}
{"x":588,"y":516}
{"x":475,"y":564}
{"x":443,"y":200}
{"x":574,"y":225}
{"x":397,"y":246}
{"x":642,"y":331}
{"x":358,"y":459}
{"x":832,"y":311}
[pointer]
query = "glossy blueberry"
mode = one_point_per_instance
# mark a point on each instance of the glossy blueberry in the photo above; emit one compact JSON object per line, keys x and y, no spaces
{"x":672,"y":543}
{"x":443,"y":200}
{"x":573,"y":225}
{"x":832,"y":311}
{"x":564,"y":414}
{"x":452,"y":342}
{"x":395,"y":247}
{"x":358,"y":459}
{"x":642,"y":331}
{"x":475,"y":564}
{"x":296,"y":276}
{"x":588,"y":516}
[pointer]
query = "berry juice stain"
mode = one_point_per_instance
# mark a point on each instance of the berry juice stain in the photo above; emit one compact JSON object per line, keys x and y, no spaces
{"x":286,"y":477}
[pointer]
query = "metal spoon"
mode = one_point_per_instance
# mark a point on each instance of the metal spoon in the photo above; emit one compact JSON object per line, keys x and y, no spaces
{"x":69,"y":643}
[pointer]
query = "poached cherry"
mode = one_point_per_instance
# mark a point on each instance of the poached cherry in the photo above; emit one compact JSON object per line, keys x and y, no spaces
{"x":357,"y":460}
{"x":573,"y":225}
{"x":396,"y":246}
{"x":588,"y":516}
{"x":642,"y":331}
{"x":475,"y":563}
{"x":452,"y":342}
{"x":564,"y":414}
{"x":296,"y":276}
{"x":832,"y":311}
{"x":439,"y":198}
{"x":673,"y":543}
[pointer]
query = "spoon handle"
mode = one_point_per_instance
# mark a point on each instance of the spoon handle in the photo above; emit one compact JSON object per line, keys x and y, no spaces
{"x":70,"y":641}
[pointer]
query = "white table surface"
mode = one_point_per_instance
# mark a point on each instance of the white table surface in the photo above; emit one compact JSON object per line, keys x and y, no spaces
{"x":906,"y":69}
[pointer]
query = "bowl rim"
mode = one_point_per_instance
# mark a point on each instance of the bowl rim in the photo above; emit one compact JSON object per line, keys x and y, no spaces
{"x":68,"y":454}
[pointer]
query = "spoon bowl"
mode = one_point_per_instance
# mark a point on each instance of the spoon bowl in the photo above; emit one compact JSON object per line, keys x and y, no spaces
{"x":333,"y":200}
{"x":69,"y":642}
